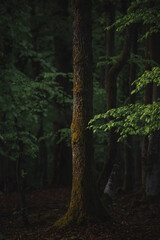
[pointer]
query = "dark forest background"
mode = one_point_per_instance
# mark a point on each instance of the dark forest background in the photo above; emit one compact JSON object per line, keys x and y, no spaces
{"x":36,"y":88}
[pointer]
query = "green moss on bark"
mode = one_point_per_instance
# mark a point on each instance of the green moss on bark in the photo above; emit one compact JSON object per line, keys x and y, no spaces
{"x":85,"y":205}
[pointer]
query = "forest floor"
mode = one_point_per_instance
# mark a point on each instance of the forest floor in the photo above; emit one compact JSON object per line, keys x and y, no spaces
{"x":131,"y":221}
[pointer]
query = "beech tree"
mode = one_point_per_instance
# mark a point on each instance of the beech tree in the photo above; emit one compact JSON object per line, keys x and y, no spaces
{"x":85,"y":204}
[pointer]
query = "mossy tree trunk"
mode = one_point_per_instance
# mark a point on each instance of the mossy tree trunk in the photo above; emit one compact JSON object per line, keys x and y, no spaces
{"x":85,"y":204}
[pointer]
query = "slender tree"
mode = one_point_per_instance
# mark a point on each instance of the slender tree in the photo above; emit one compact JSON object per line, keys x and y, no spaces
{"x":129,"y":156}
{"x":153,"y":154}
{"x":85,"y":204}
{"x":63,"y":54}
{"x":111,"y":91}
{"x":147,"y":100}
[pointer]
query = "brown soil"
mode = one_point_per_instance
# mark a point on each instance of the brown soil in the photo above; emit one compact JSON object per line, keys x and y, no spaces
{"x":141,"y":221}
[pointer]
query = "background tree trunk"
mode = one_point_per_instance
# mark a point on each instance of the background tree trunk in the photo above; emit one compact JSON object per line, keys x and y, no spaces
{"x":111,"y":90}
{"x":111,"y":100}
{"x":153,"y":156}
{"x":129,"y":156}
{"x":43,"y":155}
{"x":20,"y":171}
{"x":147,"y":100}
{"x":61,"y":152}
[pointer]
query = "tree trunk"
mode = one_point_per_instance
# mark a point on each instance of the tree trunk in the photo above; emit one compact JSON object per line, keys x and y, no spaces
{"x":20,"y":177}
{"x":153,"y":166}
{"x":153,"y":157}
{"x":111,"y":103}
{"x":43,"y":155}
{"x":129,"y":157}
{"x":20,"y":183}
{"x":111,"y":90}
{"x":4,"y":174}
{"x":147,"y":100}
{"x":4,"y":163}
{"x":61,"y":152}
{"x":85,"y":204}
{"x":62,"y":174}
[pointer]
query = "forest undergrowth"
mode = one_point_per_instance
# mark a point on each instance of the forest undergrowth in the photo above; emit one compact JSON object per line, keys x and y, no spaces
{"x":131,"y":221}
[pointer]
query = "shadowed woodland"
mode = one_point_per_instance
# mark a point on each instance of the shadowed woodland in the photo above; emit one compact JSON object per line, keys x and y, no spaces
{"x":79,"y":120}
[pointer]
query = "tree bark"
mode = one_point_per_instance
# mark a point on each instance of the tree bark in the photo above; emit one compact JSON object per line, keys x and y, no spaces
{"x":85,"y":204}
{"x":111,"y":91}
{"x":62,"y":171}
{"x":147,"y":100}
{"x":43,"y":155}
{"x":153,"y":156}
{"x":129,"y":157}
{"x":20,"y":178}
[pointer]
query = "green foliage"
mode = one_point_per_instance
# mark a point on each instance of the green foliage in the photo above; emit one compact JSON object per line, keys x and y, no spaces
{"x":22,"y":101}
{"x":99,"y":97}
{"x":141,"y":12}
{"x":99,"y":105}
{"x":141,"y":62}
{"x":59,"y":92}
{"x":31,"y":90}
{"x":103,"y":61}
{"x":65,"y":135}
{"x":133,"y":119}
{"x":18,"y":113}
{"x":147,"y":77}
{"x":134,"y":58}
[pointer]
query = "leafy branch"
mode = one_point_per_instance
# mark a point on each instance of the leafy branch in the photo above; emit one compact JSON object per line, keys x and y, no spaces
{"x":133,"y":119}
